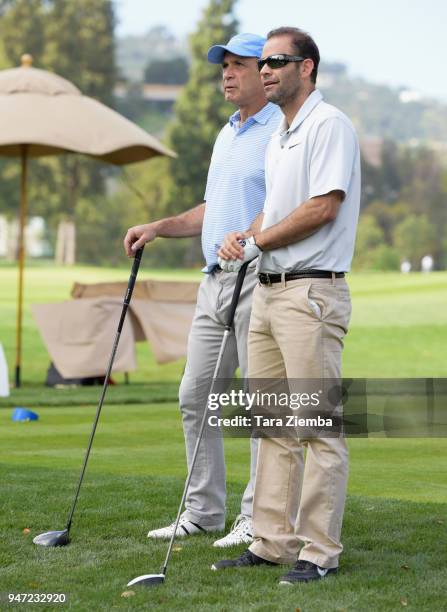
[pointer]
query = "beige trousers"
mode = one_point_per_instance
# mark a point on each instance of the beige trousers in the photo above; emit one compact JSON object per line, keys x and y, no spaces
{"x":296,"y":332}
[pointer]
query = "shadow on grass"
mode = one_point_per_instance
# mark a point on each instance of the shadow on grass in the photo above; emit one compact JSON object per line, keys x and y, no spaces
{"x":35,"y":396}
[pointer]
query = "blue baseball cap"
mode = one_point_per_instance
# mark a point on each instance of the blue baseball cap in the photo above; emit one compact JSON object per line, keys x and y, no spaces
{"x":245,"y":45}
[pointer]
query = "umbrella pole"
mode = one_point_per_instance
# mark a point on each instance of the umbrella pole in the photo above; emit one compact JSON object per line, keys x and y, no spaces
{"x":23,"y":214}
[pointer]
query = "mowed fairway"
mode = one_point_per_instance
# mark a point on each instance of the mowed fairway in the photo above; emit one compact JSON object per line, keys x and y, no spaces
{"x":398,"y":327}
{"x":395,"y":528}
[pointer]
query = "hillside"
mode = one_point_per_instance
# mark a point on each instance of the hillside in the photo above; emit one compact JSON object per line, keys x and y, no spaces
{"x":378,"y":111}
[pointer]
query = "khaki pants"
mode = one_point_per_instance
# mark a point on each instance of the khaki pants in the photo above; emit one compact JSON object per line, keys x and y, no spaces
{"x":296,"y":331}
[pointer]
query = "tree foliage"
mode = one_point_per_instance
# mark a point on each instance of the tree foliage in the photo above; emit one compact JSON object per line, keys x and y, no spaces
{"x":371,"y":251}
{"x":414,"y":238}
{"x":406,"y":198}
{"x":75,"y":40}
{"x":172,"y":71}
{"x":22,"y":29}
{"x":80,"y":45}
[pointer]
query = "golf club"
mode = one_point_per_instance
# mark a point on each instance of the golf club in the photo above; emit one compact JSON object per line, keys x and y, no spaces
{"x":149,"y":580}
{"x":62,"y":538}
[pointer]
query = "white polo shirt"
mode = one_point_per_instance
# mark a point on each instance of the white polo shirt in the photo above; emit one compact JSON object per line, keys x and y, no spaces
{"x":319,"y":153}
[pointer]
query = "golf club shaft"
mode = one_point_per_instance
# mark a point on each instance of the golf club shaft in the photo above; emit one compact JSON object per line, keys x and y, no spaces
{"x":228,"y":326}
{"x":126,"y":302}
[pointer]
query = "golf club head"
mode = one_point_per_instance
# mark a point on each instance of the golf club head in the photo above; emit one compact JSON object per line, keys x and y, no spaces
{"x":52,"y":538}
{"x":148,"y":580}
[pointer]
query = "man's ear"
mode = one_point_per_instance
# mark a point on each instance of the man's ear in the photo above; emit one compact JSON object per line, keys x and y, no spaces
{"x":307,"y":66}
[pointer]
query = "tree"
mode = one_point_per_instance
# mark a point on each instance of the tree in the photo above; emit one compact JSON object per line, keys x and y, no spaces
{"x":390,"y":171}
{"x":409,"y":181}
{"x":370,"y":187}
{"x":371,"y":252}
{"x":80,"y":45}
{"x":414,"y":238}
{"x":140,"y":198}
{"x":173,"y":71}
{"x":384,"y":258}
{"x":3,"y":60}
{"x":425,"y":190}
{"x":388,"y":216}
{"x":369,"y":234}
{"x":369,"y":237}
{"x":22,"y":29}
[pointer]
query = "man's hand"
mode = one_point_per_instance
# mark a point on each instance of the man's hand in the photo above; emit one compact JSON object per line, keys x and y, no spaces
{"x":246,"y":250}
{"x":231,"y":246}
{"x":137,"y":236}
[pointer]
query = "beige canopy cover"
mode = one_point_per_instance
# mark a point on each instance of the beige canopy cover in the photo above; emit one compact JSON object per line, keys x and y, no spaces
{"x":51,"y":116}
{"x":79,"y":333}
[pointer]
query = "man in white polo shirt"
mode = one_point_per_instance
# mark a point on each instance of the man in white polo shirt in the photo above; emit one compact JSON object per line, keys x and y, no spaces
{"x":301,"y":307}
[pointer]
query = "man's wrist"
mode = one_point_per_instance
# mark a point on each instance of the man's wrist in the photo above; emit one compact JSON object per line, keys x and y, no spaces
{"x":159,"y":227}
{"x":257,"y":239}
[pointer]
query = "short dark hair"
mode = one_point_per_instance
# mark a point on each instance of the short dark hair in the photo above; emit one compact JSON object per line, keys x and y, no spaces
{"x":304,"y":45}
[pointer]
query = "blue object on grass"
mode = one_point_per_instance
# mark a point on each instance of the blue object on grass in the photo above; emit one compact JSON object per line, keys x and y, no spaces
{"x":22,"y":414}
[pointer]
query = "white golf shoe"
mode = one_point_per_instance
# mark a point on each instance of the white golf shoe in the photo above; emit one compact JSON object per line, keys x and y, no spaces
{"x":185,"y":528}
{"x":241,"y":533}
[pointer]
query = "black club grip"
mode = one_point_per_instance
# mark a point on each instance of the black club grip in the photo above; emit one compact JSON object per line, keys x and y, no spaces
{"x":133,"y":275}
{"x":236,"y":293}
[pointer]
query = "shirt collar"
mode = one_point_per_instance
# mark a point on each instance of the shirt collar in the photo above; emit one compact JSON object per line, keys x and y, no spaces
{"x":262,"y":116}
{"x":311,"y":102}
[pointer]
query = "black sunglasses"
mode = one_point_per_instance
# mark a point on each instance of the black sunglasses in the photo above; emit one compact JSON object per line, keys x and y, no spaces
{"x":278,"y":61}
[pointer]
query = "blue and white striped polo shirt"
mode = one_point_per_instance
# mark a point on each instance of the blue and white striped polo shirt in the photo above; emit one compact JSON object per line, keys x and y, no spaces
{"x":235,"y":188}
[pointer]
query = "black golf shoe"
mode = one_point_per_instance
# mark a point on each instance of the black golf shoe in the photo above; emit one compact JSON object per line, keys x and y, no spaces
{"x":303,"y":571}
{"x":247,"y":559}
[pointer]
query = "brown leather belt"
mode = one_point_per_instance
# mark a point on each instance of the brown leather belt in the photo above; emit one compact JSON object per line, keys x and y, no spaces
{"x":269,"y":279}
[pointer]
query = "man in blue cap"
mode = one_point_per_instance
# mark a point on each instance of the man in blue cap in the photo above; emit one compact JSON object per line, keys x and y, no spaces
{"x":234,"y":196}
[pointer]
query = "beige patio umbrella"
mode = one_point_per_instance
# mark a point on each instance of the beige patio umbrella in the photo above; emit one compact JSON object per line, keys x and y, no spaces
{"x":43,"y":114}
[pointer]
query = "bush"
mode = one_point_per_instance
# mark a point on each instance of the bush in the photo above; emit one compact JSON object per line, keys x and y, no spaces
{"x":385,"y":258}
{"x":414,"y":237}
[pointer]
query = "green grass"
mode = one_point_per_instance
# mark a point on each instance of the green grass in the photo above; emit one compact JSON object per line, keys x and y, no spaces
{"x":398,"y":327}
{"x":395,"y":521}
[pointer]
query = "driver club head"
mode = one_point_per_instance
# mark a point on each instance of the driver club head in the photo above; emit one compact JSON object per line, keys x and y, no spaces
{"x":52,"y":538}
{"x":148,"y":580}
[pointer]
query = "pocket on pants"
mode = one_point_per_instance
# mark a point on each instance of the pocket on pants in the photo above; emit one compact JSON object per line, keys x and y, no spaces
{"x":334,"y":303}
{"x":316,"y":303}
{"x":314,"y":307}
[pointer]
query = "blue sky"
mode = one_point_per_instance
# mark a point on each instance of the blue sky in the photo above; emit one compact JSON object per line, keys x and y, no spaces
{"x":397,"y":42}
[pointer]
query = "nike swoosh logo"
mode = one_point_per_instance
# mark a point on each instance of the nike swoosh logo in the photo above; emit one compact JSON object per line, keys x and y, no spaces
{"x":294,"y":145}
{"x":322,"y":571}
